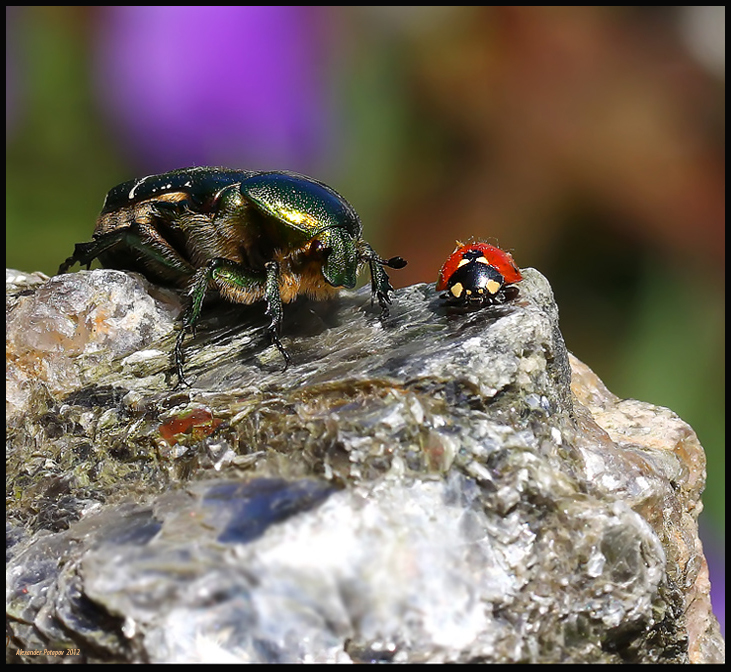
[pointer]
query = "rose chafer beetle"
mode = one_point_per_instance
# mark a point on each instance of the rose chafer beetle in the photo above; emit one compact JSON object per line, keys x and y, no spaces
{"x":250,"y":235}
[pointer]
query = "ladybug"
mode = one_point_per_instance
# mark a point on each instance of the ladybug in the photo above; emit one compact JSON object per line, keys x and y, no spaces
{"x":477,"y":275}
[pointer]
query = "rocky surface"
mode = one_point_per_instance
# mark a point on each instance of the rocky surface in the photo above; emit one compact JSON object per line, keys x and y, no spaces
{"x":435,"y":486}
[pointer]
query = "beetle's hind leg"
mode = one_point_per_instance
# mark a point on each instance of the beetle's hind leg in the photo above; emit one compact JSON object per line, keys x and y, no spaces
{"x":141,"y":241}
{"x":85,"y":253}
{"x":179,"y":370}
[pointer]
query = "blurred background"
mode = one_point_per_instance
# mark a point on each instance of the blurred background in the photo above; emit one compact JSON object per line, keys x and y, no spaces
{"x":588,"y":141}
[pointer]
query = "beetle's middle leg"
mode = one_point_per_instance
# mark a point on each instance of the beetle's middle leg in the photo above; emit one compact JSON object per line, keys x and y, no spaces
{"x":237,"y":284}
{"x":274,"y":307}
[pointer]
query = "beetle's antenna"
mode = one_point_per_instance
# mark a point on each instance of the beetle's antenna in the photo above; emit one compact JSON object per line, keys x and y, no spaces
{"x":369,"y":254}
{"x":393,"y":262}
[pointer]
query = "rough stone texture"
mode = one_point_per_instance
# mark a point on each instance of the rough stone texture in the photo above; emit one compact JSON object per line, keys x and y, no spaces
{"x":436,"y":486}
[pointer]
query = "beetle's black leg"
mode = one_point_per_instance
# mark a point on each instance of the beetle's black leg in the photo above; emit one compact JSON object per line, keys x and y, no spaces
{"x":380,"y":284}
{"x":144,"y":239}
{"x":235,"y":282}
{"x":179,"y":361}
{"x":85,"y":253}
{"x":274,"y":308}
{"x":242,"y":285}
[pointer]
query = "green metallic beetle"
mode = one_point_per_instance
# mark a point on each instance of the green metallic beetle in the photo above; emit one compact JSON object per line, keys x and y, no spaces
{"x":249,"y":235}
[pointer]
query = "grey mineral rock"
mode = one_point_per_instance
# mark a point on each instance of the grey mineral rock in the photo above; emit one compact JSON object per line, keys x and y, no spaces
{"x":432,"y":487}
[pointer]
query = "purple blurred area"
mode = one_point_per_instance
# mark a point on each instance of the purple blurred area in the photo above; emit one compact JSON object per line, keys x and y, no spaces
{"x":714,"y":548}
{"x":226,"y":85}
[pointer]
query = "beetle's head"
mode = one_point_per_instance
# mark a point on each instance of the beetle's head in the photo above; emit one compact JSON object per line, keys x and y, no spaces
{"x":307,"y":210}
{"x":340,"y":259}
{"x":342,"y":256}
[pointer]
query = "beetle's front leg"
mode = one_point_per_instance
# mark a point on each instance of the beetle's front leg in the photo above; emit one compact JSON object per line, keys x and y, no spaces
{"x":380,"y":283}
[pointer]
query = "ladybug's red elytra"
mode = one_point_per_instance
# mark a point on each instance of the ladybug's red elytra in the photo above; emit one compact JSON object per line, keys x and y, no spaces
{"x":478,"y":274}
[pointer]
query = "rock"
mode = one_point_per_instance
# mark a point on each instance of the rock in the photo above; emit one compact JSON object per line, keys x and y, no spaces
{"x":432,"y":487}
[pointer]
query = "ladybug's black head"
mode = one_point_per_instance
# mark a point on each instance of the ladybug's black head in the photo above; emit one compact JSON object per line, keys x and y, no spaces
{"x":474,"y":281}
